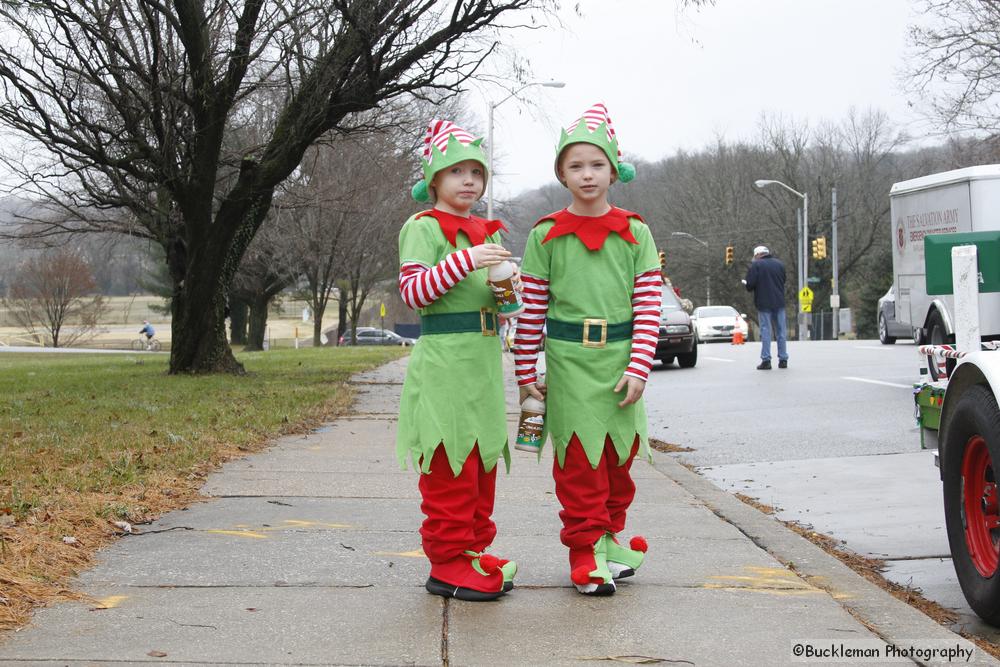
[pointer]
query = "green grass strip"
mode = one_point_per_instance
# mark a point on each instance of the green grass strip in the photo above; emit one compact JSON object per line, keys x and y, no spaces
{"x":97,"y":423}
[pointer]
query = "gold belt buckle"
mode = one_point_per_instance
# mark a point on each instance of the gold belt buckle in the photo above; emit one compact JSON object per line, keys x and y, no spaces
{"x":483,"y":312}
{"x":587,"y":323}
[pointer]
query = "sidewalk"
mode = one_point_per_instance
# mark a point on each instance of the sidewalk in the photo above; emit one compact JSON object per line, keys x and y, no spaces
{"x":308,"y":555}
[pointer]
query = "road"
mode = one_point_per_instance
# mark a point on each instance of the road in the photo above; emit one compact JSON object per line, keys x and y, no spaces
{"x":831,"y":441}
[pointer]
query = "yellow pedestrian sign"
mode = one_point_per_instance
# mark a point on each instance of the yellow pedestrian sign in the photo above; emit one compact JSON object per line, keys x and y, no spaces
{"x":806,"y":300}
{"x":381,"y":311}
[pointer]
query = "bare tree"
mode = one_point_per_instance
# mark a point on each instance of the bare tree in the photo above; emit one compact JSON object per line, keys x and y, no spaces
{"x":133,"y":99}
{"x":267,"y":269}
{"x":55,"y":292}
{"x":955,"y":68}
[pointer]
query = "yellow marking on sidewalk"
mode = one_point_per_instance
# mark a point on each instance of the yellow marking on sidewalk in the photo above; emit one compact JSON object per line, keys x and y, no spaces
{"x":110,"y":602}
{"x":316,"y":524}
{"x":239,"y":533}
{"x":316,"y":448}
{"x":417,"y":553}
{"x":772,"y":580}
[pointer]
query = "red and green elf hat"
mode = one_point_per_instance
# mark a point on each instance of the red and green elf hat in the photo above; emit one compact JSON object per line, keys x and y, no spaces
{"x":595,"y":127}
{"x":446,"y":144}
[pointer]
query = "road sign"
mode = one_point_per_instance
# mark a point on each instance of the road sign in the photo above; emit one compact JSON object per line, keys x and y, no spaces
{"x":805,"y":300}
{"x":381,"y":311}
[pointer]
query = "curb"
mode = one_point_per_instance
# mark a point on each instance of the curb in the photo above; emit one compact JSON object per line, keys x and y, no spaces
{"x":892,"y":620}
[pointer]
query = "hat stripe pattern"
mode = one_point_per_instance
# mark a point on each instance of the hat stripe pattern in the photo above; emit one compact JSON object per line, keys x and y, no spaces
{"x":437,"y":135}
{"x":593,"y":117}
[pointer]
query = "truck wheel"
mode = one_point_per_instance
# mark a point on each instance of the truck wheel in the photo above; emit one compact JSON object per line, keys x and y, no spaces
{"x":971,"y":510}
{"x":689,"y":359}
{"x":938,"y":335}
{"x":883,"y":331}
{"x":666,"y":361}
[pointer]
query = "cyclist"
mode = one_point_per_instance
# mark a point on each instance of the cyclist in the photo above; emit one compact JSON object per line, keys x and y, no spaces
{"x":147,"y":329}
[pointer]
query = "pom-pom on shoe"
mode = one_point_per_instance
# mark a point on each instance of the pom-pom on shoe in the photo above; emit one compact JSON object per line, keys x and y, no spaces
{"x":508,"y":568}
{"x":589,"y":570}
{"x":622,"y":561}
{"x":471,"y":577}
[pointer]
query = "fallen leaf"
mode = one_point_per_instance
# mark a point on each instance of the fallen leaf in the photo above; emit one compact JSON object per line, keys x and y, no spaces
{"x":69,"y":539}
{"x":124,"y":526}
{"x":157,"y":654}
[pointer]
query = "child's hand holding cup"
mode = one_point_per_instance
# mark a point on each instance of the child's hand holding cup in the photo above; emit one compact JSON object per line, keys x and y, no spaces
{"x":505,"y":281}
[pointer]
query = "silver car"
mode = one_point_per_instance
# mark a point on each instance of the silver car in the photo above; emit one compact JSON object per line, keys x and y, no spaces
{"x":888,"y":328}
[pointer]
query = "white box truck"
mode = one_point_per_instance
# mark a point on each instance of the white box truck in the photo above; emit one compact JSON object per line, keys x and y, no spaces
{"x":963,"y":200}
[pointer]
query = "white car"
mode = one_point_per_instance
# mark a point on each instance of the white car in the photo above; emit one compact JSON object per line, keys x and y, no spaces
{"x":718,"y":323}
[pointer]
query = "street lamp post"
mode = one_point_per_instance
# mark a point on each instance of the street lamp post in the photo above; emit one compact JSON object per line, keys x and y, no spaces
{"x":708,"y":270}
{"x":803,"y":250}
{"x":489,"y":138}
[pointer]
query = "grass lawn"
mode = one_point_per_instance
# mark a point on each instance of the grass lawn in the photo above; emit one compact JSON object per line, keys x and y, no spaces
{"x":88,"y":440}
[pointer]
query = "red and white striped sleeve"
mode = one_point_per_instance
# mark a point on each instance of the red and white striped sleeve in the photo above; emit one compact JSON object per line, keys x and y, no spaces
{"x":421,"y":286}
{"x":646,"y":298}
{"x":528,"y":336}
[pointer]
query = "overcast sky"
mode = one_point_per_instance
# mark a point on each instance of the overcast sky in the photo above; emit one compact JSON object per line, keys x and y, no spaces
{"x":678,"y":79}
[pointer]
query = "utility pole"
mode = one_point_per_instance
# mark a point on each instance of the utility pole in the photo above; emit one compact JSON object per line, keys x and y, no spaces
{"x":835,"y":297}
{"x":801,"y":317}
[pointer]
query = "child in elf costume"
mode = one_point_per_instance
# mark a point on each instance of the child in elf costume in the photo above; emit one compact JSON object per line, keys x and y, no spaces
{"x":452,"y":420}
{"x":591,"y":276}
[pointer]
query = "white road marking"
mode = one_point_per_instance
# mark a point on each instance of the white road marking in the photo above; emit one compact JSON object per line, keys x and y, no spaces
{"x":717,"y":358}
{"x":882,"y":382}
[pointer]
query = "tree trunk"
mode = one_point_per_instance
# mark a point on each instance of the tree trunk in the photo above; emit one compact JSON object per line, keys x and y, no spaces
{"x":238,"y":319}
{"x":198,"y":331}
{"x":317,"y":330}
{"x":342,"y":315}
{"x":258,"y":324}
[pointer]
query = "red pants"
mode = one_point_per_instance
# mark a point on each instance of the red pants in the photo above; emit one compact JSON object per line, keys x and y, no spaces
{"x":458,"y":509}
{"x":594,"y":500}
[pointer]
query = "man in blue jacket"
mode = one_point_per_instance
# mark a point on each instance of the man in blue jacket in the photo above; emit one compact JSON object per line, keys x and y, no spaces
{"x":766,"y":279}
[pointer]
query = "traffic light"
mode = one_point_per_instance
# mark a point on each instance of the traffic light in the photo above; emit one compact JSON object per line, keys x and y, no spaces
{"x":819,"y":248}
{"x":663,"y":262}
{"x":729,"y":255}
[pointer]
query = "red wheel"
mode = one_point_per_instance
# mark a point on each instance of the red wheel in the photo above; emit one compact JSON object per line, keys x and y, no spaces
{"x":979,"y":503}
{"x":970,"y":443}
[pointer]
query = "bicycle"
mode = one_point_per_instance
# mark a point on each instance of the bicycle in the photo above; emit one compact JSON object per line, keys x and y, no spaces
{"x":143,"y":345}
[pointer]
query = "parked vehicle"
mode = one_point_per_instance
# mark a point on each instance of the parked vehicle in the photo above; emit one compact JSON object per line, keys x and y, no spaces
{"x":963,"y":200}
{"x":889,"y":328}
{"x":958,"y":414}
{"x":676,"y":338}
{"x":718,"y":323}
{"x":374,"y":336}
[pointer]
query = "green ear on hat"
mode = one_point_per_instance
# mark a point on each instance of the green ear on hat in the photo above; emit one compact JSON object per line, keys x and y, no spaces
{"x":420,"y":192}
{"x":626,"y":171}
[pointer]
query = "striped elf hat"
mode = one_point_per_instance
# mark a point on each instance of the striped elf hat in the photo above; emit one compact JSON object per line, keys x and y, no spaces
{"x":445,"y":144}
{"x":595,"y":127}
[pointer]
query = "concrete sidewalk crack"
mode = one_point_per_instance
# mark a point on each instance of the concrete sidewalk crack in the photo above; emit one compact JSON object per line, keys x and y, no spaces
{"x":444,"y":633}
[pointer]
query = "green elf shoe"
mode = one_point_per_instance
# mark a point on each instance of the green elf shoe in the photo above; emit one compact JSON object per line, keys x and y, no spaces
{"x":509,"y":569}
{"x":622,"y":561}
{"x":590,"y":573}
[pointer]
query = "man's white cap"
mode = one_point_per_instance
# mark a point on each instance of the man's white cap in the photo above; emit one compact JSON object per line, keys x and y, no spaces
{"x":761,"y":250}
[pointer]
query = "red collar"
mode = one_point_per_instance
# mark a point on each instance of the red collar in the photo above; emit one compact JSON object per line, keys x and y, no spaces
{"x":477,"y":229}
{"x":592,"y":231}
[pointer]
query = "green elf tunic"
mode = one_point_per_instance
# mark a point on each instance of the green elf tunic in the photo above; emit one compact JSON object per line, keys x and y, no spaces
{"x":453,"y":393}
{"x":590,"y":283}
